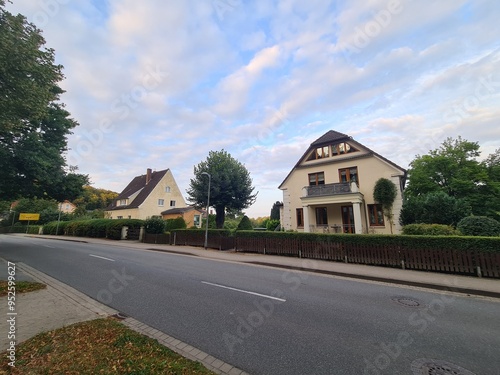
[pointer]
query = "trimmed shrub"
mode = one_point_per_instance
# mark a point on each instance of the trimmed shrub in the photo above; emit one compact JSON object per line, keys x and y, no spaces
{"x":272,"y":225}
{"x":245,"y":224}
{"x":479,"y":226}
{"x":430,"y":230}
{"x":154,"y":225}
{"x":173,"y":224}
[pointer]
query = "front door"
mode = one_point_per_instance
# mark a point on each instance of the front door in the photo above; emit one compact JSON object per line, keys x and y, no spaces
{"x":348,"y":219}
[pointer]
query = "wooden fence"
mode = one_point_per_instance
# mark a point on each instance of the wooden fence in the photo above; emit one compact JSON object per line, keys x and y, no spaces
{"x":466,"y":262}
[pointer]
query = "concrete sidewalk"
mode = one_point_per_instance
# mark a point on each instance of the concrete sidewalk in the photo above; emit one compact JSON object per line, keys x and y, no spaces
{"x":470,"y":285}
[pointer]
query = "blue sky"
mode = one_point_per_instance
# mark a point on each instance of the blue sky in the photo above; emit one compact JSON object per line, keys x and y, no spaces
{"x":158,"y":84}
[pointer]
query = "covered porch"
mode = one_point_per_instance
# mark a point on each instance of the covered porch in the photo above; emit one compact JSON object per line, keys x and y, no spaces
{"x":333,"y":208}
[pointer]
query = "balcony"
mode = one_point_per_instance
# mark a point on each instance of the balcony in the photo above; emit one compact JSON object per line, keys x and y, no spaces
{"x":330,"y":189}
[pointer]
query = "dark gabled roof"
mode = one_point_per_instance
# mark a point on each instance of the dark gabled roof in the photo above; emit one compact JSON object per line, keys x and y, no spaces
{"x":134,"y":186}
{"x":330,"y":136}
{"x":179,"y":210}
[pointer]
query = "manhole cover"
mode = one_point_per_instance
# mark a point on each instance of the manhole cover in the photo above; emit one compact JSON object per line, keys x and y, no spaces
{"x":424,"y":366}
{"x":406,"y":301}
{"x":120,"y":316}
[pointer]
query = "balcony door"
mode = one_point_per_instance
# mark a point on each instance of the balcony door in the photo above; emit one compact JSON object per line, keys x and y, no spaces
{"x":348,"y":219}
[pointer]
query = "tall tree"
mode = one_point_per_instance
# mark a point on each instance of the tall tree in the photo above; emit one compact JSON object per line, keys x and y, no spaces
{"x":33,"y":124}
{"x":454,"y":169}
{"x":230,"y":185}
{"x":275,"y":211}
{"x":94,"y":198}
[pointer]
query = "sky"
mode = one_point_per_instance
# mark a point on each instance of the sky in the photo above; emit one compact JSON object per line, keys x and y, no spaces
{"x":160,"y":83}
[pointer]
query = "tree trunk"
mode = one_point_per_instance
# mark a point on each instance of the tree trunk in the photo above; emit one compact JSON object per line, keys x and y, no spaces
{"x":220,"y":216}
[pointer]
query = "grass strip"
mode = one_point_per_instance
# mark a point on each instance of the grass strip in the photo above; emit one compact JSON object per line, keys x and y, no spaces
{"x":100,"y":346}
{"x":20,"y":287}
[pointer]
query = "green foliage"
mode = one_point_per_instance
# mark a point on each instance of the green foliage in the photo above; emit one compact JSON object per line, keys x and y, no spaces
{"x":385,"y":193}
{"x":154,"y":225}
{"x":454,"y":169}
{"x":230,"y":185}
{"x":272,"y":224}
{"x":33,"y":123}
{"x":97,"y":228}
{"x":177,"y":223}
{"x":430,"y":230}
{"x":94,"y":198}
{"x":275,"y":211}
{"x":434,"y":208}
{"x":479,"y":226}
{"x":245,"y":224}
{"x":211,"y":222}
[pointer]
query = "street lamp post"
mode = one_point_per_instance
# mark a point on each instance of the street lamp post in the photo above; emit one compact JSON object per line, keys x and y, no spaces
{"x":208,"y":206}
{"x":59,"y":218}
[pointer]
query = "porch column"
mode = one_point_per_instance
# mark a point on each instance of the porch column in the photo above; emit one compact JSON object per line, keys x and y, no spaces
{"x":305,"y":210}
{"x":358,"y":226}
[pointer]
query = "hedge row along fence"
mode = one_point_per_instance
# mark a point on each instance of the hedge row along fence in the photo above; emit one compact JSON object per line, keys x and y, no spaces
{"x":220,"y":239}
{"x":453,"y":254}
{"x":95,"y":228}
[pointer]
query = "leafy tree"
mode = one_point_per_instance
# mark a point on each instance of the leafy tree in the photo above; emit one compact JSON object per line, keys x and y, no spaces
{"x":245,"y":224}
{"x":272,"y":224}
{"x":33,"y":124}
{"x":453,"y":168}
{"x":385,"y":193}
{"x":275,"y":211}
{"x":177,"y":223}
{"x":94,"y":198}
{"x":230,"y":189}
{"x":434,"y":208}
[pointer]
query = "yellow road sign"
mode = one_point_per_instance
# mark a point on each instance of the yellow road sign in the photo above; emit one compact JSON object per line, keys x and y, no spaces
{"x":33,"y":217}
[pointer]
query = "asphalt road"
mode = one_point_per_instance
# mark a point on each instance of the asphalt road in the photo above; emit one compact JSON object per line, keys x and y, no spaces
{"x":271,"y":321}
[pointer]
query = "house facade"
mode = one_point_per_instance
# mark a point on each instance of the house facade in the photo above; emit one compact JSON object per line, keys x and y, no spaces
{"x":147,"y":196}
{"x":191,"y":215}
{"x":330,"y":189}
{"x":66,"y":207}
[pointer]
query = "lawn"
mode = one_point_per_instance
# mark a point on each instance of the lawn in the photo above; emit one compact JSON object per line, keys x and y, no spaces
{"x":101,"y":346}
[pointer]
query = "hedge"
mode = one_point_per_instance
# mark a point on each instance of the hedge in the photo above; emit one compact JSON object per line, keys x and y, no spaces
{"x":96,"y":228}
{"x":430,"y":230}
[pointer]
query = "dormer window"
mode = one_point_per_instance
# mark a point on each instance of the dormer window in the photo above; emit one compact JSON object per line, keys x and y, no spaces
{"x":342,"y":148}
{"x":122,"y":202}
{"x":320,"y":153}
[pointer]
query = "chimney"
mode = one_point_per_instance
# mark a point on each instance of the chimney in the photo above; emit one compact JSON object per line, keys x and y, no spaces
{"x":148,"y":175}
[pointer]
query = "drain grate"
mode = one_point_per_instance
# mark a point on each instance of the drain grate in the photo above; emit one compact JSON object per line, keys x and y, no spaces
{"x":406,"y":301}
{"x":425,"y":366}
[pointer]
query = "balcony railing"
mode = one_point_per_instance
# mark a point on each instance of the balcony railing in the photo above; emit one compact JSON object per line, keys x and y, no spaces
{"x":328,"y":189}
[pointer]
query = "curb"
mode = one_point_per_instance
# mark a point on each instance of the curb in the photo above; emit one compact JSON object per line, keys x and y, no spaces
{"x":76,"y":297}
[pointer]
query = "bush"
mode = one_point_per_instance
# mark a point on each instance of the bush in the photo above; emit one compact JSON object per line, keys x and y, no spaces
{"x":430,"y":230}
{"x":272,"y":224}
{"x":479,"y":226}
{"x":245,"y":224}
{"x":155,"y":225}
{"x":177,"y":223}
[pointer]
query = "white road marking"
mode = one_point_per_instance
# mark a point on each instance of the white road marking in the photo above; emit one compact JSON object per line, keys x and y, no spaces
{"x":97,"y":256}
{"x":245,"y":291}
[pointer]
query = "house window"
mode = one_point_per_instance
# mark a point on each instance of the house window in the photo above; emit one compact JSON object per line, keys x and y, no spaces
{"x":119,"y":217}
{"x":197,"y":220}
{"x":123,"y":202}
{"x":167,"y":189}
{"x":300,"y":217}
{"x":376,"y":215}
{"x":321,"y":216}
{"x":161,"y":202}
{"x":172,"y":203}
{"x":320,"y":153}
{"x":130,"y":217}
{"x":316,"y":179}
{"x":342,"y":148}
{"x":349,"y":175}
